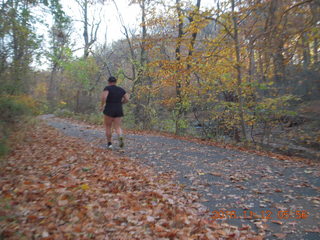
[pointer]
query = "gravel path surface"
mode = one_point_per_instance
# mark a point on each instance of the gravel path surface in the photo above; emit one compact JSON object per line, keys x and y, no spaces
{"x":228,"y":180}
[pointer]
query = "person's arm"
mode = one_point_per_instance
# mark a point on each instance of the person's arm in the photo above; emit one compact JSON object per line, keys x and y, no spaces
{"x":125,"y":98}
{"x":104,"y":96}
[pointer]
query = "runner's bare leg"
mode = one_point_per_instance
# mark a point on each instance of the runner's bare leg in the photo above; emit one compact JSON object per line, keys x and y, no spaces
{"x":117,"y":126}
{"x":108,"y":125}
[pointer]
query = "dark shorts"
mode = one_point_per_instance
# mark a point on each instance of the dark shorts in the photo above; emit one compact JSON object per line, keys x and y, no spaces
{"x":113,"y":110}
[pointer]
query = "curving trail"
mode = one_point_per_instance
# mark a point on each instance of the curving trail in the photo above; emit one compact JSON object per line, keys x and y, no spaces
{"x":228,"y":180}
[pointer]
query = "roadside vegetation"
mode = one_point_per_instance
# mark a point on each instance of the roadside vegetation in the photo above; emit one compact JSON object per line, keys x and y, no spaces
{"x":241,"y":72}
{"x":16,"y":114}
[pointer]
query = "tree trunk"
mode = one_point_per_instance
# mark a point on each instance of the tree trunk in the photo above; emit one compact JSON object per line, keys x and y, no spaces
{"x":143,"y":56}
{"x":180,"y":112}
{"x":278,"y":63}
{"x":238,"y":68}
{"x":315,"y":8}
{"x":85,"y":29}
{"x":192,"y":41}
{"x":52,"y":88}
{"x":306,"y":51}
{"x":252,"y":63}
{"x":140,"y":99}
{"x":315,"y":50}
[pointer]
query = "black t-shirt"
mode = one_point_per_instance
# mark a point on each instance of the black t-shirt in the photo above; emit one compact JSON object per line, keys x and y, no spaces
{"x":115,"y":94}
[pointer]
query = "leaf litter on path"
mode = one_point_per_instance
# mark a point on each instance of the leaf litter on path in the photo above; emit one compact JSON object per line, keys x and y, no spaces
{"x":58,"y":187}
{"x":263,"y":184}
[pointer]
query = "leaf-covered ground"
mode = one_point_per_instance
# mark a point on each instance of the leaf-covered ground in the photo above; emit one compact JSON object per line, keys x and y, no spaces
{"x":229,"y":180}
{"x":58,"y":187}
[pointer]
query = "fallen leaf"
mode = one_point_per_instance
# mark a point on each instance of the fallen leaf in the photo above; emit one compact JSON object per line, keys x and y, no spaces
{"x":280,"y":235}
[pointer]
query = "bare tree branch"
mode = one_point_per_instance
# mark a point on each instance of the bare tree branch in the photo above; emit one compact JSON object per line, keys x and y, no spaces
{"x":297,"y":5}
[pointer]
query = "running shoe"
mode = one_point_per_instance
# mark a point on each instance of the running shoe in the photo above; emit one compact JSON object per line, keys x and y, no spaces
{"x":121,"y":142}
{"x":109,"y":146}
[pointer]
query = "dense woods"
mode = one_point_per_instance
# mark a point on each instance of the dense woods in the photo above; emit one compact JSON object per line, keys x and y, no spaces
{"x":242,"y":71}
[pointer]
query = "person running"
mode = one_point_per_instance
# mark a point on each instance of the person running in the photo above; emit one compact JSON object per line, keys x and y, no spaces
{"x":112,"y":99}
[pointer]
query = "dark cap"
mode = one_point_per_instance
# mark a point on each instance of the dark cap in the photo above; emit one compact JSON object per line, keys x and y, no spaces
{"x":112,"y":79}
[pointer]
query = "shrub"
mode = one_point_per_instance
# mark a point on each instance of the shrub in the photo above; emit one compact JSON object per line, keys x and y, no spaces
{"x":64,"y":113}
{"x":13,"y":110}
{"x":93,"y":118}
{"x":3,"y":139}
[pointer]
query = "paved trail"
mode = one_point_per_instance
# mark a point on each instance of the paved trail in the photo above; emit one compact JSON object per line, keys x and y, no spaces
{"x":229,"y":180}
